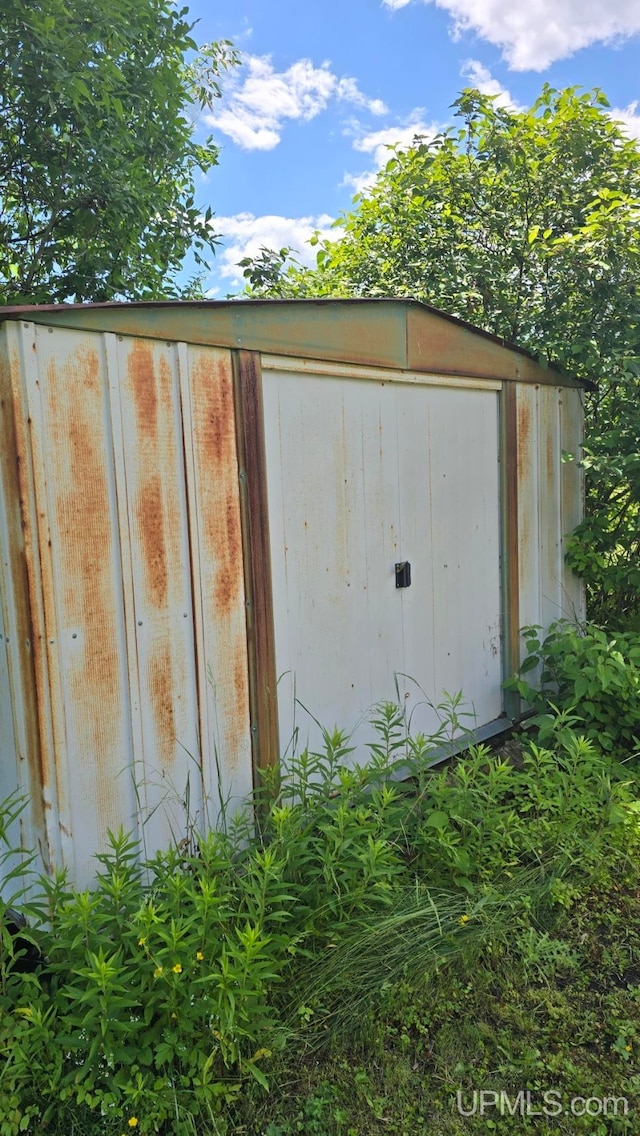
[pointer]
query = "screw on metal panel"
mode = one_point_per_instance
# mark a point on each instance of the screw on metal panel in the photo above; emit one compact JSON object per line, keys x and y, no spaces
{"x":238,"y":341}
{"x":139,"y":623}
{"x":254,"y":729}
{"x":26,"y":325}
{"x":50,"y":330}
{"x":28,"y":644}
{"x":120,"y":338}
{"x":51,"y":642}
{"x":74,"y":635}
{"x":185,"y":614}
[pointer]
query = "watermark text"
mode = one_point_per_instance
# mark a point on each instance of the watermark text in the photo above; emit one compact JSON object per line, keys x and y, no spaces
{"x":525,"y":1102}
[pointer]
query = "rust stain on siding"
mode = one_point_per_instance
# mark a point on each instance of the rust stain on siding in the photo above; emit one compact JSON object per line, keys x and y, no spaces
{"x":84,"y":529}
{"x":143,"y":384}
{"x":150,"y":517}
{"x":154,"y":467}
{"x":551,"y":457}
{"x":82,"y":556}
{"x":162,"y":685}
{"x":221,"y":516}
{"x":239,"y":716}
{"x":524,"y":436}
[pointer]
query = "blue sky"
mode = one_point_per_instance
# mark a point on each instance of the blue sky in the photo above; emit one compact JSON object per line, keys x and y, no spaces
{"x":323,"y":87}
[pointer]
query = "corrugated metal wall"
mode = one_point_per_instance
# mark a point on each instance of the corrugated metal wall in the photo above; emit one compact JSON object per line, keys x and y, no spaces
{"x":550,"y":501}
{"x":130,"y":504}
{"x":164,"y":567}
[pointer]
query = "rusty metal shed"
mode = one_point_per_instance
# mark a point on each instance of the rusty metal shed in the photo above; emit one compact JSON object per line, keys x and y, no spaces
{"x":202,"y":511}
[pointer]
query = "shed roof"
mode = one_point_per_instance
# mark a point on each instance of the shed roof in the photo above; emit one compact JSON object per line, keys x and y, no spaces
{"x":399,"y":333}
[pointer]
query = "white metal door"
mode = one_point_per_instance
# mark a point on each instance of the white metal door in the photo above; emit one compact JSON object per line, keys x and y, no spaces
{"x":363,"y":474}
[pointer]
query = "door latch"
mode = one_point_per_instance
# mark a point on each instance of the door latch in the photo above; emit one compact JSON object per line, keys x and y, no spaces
{"x":403,"y":574}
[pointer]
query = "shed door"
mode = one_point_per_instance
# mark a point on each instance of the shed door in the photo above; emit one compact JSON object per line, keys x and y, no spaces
{"x":363,"y":474}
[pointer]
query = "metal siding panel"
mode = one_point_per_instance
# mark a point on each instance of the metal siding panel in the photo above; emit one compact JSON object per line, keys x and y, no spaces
{"x":333,"y":549}
{"x":549,"y":520}
{"x":560,"y":502}
{"x":572,"y":494}
{"x":80,"y":564}
{"x":217,"y":573}
{"x":384,"y":374}
{"x":549,"y":502}
{"x":9,"y":778}
{"x":446,"y":345}
{"x":166,"y":773}
{"x":510,"y":545}
{"x":130,"y":656}
{"x":20,"y":768}
{"x":357,"y":476}
{"x":407,"y":455}
{"x":528,"y":517}
{"x":364,"y":331}
{"x":35,"y":732}
{"x":465,"y":524}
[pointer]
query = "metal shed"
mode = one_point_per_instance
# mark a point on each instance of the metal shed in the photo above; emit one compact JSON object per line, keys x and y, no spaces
{"x":205,"y":512}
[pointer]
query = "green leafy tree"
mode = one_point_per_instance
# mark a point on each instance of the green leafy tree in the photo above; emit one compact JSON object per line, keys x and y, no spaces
{"x":526,"y":224}
{"x":98,"y":155}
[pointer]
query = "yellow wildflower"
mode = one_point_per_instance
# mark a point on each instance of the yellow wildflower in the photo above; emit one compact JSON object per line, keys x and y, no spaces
{"x":133,"y":1122}
{"x":628,"y":1048}
{"x":158,"y":971}
{"x":141,"y":942}
{"x":199,"y":956}
{"x":177,"y":969}
{"x":463,"y":919}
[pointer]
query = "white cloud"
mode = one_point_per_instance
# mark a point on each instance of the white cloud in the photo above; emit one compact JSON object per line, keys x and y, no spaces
{"x":477,"y":75}
{"x":348,"y":91}
{"x":258,"y":100}
{"x":245,"y":234}
{"x":629,"y":118}
{"x":535,"y":33}
{"x":377,"y":143}
{"x":360,"y":183}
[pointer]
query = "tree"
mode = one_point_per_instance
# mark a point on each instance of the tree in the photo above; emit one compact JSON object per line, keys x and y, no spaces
{"x":97,"y":147}
{"x":525,"y":223}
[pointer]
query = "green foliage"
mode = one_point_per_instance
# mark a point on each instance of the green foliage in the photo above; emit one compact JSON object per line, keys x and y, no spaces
{"x":264,"y":272}
{"x":170,"y":990}
{"x":97,"y":148}
{"x":525,"y":223}
{"x":590,"y":672}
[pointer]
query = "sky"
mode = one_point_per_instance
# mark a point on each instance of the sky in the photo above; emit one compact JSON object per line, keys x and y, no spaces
{"x":324,"y":88}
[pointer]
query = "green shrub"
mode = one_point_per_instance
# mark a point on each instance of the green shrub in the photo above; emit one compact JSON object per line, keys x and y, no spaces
{"x":157,"y":993}
{"x":589,"y":671}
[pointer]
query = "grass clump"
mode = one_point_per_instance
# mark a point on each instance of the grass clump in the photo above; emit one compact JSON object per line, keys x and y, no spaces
{"x":178,"y":995}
